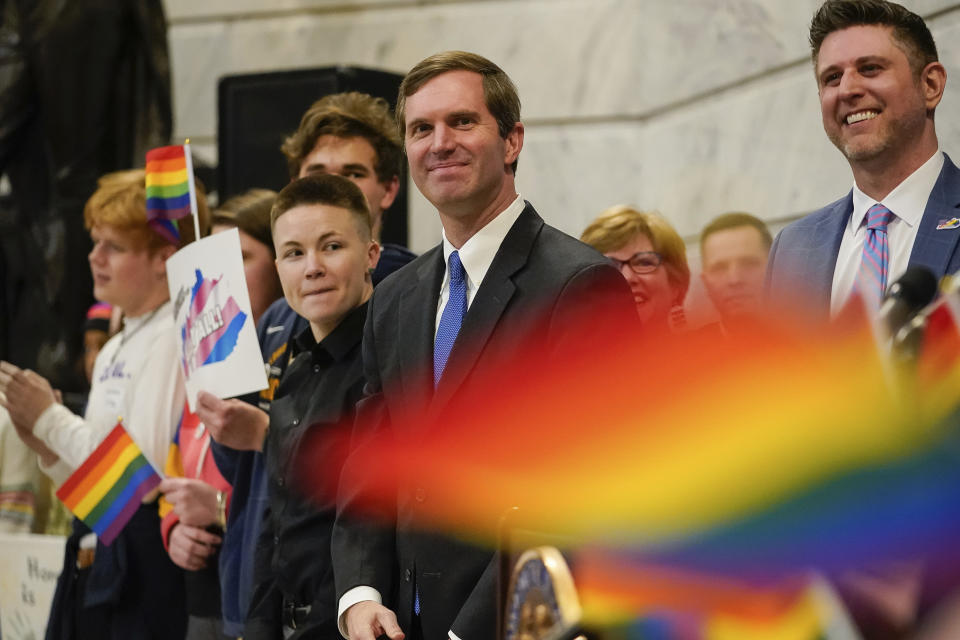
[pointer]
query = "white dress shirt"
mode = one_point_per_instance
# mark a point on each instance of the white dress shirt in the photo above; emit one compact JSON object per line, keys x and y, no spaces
{"x":907,"y":201}
{"x":137,"y":378}
{"x":476,"y":255}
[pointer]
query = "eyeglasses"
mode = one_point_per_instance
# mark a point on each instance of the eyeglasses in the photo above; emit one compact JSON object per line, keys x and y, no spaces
{"x":640,"y":262}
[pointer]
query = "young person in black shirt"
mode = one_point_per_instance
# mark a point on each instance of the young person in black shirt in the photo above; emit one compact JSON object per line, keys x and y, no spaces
{"x":325,"y":255}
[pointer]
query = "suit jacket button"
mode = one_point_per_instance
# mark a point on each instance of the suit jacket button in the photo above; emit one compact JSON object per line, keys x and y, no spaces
{"x":420,"y":495}
{"x":406,"y":575}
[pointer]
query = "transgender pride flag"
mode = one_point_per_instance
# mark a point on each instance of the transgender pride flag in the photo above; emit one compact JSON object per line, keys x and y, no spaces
{"x":171,"y":193}
{"x":212,"y":326}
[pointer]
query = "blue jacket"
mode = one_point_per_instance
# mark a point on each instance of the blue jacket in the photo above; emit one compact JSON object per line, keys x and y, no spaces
{"x":804,"y":254}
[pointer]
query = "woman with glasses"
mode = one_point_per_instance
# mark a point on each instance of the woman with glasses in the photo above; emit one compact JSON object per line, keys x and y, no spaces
{"x":651,"y":256}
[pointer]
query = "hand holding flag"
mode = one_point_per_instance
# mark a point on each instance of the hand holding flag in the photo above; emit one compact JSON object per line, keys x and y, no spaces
{"x":106,"y":490}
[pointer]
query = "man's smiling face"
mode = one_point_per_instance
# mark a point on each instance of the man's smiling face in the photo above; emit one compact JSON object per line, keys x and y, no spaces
{"x":872,"y":103}
{"x":457,"y":157}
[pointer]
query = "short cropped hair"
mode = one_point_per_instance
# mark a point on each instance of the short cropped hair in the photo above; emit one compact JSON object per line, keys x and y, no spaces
{"x":324,"y":189}
{"x":909,"y":29}
{"x":249,"y":212}
{"x":121,"y":201}
{"x":348,"y":115}
{"x":499,"y":92}
{"x":734,"y":220}
{"x":618,"y":225}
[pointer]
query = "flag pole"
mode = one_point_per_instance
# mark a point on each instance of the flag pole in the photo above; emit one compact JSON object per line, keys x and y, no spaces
{"x":193,"y":189}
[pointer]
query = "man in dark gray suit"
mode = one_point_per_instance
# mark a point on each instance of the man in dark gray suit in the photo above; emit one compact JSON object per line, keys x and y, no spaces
{"x":500,"y":279}
{"x":879,"y":83}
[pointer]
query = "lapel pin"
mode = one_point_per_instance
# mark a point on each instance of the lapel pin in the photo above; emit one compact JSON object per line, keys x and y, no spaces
{"x":952,"y":223}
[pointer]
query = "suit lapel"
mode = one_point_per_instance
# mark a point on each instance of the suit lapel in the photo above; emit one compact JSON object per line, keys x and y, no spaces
{"x":488,"y":304}
{"x":824,"y":248}
{"x":933,"y":248}
{"x":417,"y":319}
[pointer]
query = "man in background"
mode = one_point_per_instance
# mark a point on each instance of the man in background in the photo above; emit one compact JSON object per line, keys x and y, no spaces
{"x":733,"y":257}
{"x":354,"y":135}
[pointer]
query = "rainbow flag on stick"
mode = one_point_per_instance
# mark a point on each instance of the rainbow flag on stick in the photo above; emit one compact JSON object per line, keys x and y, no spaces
{"x":108,"y":487}
{"x":171,"y":192}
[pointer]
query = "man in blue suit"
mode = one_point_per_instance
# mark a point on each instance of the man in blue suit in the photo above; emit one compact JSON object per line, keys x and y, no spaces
{"x":879,"y":82}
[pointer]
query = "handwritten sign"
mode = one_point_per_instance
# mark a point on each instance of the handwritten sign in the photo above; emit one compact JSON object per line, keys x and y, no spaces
{"x":29,"y":567}
{"x":218,"y":344}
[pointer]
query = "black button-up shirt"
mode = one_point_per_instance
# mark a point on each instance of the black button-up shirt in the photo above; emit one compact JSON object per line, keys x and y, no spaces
{"x":319,"y":390}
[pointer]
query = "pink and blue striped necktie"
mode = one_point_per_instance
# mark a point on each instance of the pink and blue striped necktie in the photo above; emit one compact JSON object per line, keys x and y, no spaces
{"x":875,"y":262}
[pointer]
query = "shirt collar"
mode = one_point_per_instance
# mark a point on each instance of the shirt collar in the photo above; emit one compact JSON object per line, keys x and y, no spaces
{"x":478,"y":252}
{"x":339,"y":342}
{"x":908,"y":199}
{"x":132,"y":324}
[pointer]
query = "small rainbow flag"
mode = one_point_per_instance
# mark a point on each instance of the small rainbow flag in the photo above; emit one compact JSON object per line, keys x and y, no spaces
{"x":106,"y":490}
{"x":171,"y":193}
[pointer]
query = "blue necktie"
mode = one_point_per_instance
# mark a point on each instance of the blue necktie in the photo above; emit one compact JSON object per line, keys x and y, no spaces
{"x":447,"y":330}
{"x":452,"y":316}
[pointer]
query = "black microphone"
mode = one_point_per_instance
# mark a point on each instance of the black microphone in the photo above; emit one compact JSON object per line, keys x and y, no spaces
{"x":914,"y":290}
{"x":910,"y":338}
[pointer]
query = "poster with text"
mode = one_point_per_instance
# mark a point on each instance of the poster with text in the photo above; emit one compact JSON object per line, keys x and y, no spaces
{"x":29,"y":567}
{"x":218,"y":344}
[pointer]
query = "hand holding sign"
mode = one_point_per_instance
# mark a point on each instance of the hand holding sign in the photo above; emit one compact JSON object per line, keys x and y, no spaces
{"x":233,"y":423}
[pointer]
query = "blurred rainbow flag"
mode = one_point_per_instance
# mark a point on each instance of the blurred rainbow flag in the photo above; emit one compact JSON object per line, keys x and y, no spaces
{"x":755,"y":457}
{"x":938,"y":362}
{"x":171,"y":193}
{"x":654,"y":443}
{"x":634,"y":600}
{"x":106,"y":490}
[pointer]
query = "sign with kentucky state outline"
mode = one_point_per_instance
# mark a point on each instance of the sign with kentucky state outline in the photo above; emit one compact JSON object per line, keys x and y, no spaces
{"x":218,"y":344}
{"x":213,"y":323}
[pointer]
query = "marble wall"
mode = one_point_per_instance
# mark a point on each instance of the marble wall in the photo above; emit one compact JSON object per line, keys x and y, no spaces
{"x":689,"y":107}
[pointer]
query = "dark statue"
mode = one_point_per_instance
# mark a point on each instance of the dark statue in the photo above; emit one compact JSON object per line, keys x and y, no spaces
{"x":84,"y":90}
